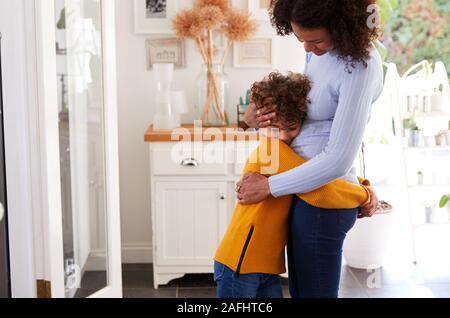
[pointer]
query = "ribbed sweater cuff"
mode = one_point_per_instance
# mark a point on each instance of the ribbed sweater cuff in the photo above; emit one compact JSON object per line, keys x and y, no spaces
{"x":276,"y":188}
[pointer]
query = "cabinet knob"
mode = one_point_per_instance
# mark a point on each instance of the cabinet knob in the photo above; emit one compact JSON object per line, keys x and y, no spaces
{"x":190,"y":162}
{"x":222,"y":196}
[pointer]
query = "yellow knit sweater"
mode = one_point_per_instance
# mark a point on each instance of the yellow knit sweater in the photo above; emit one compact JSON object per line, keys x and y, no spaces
{"x":257,"y":234}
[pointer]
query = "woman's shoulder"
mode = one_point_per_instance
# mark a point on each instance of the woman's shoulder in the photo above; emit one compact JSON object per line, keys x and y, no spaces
{"x":375,"y":60}
{"x":373,"y":66}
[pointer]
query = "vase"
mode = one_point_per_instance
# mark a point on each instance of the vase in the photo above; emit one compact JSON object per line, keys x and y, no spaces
{"x":417,"y":138}
{"x":447,"y":138}
{"x":440,"y":140}
{"x":367,"y":244}
{"x":212,"y":96}
{"x":164,"y":117}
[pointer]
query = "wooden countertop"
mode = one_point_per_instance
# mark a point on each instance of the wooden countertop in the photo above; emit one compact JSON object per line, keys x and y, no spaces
{"x":188,"y":133}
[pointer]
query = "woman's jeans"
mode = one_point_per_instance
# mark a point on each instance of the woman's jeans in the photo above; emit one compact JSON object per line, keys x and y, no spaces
{"x":315,"y":249}
{"x":231,"y":285}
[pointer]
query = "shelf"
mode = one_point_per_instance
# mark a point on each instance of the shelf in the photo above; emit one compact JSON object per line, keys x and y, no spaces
{"x":437,"y":148}
{"x":428,"y":186}
{"x":429,"y":224}
{"x":426,"y":115}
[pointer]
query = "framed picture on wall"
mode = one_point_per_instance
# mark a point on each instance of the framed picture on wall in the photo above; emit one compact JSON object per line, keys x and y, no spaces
{"x":170,"y":50}
{"x":259,"y":9}
{"x":255,"y":53}
{"x":155,"y":16}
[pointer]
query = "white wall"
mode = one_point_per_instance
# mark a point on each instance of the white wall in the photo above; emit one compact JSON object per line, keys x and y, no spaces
{"x":135,"y":91}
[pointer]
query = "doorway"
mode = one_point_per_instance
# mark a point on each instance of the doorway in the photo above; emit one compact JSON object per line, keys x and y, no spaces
{"x":4,"y":254}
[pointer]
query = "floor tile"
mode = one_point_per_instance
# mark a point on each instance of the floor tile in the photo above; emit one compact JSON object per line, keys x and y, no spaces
{"x":352,"y":292}
{"x":149,"y":293}
{"x":84,"y":293}
{"x":348,"y":279}
{"x":286,"y":293}
{"x":390,"y":282}
{"x":94,"y":280}
{"x":439,"y":290}
{"x":137,"y":267}
{"x":196,"y":293}
{"x":137,"y":279}
{"x":399,"y":291}
{"x":195,"y":280}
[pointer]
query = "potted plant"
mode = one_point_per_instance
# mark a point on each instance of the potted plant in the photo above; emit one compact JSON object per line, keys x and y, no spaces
{"x":444,"y":202}
{"x":430,"y":214}
{"x":416,"y":137}
{"x":440,"y":138}
{"x":242,"y":109}
{"x":367,"y":244}
{"x":409,"y":125}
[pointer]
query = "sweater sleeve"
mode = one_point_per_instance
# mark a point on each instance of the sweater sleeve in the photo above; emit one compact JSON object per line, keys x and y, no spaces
{"x":356,"y":95}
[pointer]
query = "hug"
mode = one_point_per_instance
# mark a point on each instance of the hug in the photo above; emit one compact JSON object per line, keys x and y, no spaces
{"x":315,"y":197}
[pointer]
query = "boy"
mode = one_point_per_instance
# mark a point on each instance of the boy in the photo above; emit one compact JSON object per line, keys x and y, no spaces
{"x":251,"y":254}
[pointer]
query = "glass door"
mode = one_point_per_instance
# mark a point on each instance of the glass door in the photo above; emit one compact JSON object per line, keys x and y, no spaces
{"x":82,"y":59}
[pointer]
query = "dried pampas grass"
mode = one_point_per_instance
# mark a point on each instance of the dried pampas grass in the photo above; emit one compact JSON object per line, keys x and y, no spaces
{"x":223,"y":5}
{"x":239,"y":27}
{"x":210,"y":17}
{"x":200,"y":23}
{"x":187,"y":24}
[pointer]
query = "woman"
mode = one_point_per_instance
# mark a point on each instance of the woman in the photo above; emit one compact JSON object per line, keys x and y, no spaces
{"x":347,"y":78}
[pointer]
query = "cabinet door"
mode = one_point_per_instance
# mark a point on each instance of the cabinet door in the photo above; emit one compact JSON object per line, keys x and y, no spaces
{"x":189,"y":221}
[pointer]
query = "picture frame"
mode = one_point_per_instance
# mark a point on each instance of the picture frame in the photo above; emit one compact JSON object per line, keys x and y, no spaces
{"x":259,"y":9}
{"x":167,"y":50}
{"x":155,"y":16}
{"x":255,"y":53}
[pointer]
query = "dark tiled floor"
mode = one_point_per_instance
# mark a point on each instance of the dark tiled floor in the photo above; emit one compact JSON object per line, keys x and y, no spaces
{"x":387,"y":283}
{"x":91,"y":282}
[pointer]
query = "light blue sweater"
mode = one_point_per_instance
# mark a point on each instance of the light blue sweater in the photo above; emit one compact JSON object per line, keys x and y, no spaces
{"x":332,"y":135}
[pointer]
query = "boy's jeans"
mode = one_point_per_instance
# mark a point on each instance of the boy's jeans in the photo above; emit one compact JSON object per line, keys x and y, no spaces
{"x":230,"y":285}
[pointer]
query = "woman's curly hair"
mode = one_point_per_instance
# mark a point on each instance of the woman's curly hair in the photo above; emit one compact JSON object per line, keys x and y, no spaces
{"x":348,"y":21}
{"x":288,"y":92}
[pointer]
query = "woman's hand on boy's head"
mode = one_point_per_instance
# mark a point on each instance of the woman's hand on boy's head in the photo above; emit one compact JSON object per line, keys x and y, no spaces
{"x":261,"y":116}
{"x":252,"y":188}
{"x":266,"y":114}
{"x":250,"y":117}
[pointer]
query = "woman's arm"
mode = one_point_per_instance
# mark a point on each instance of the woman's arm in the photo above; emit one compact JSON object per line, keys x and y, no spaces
{"x":356,"y":96}
{"x":273,"y":157}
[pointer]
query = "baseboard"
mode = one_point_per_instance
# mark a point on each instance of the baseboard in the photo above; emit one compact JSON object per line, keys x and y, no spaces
{"x":95,"y":262}
{"x":137,"y":254}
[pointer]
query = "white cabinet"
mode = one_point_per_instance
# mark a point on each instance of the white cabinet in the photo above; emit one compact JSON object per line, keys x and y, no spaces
{"x":190,"y":218}
{"x":192,"y":195}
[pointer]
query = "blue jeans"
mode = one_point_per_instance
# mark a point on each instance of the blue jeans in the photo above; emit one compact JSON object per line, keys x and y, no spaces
{"x":231,"y":285}
{"x":315,"y":249}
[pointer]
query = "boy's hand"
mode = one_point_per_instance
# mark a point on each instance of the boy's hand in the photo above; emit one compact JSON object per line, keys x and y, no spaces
{"x":368,"y":210}
{"x":252,"y":188}
{"x":261,"y":116}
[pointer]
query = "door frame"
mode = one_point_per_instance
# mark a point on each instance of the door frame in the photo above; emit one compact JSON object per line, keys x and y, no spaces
{"x":48,"y":118}
{"x":17,"y":26}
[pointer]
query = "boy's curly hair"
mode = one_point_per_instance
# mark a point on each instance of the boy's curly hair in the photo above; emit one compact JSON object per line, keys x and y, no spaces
{"x":346,"y":20}
{"x":288,"y":92}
